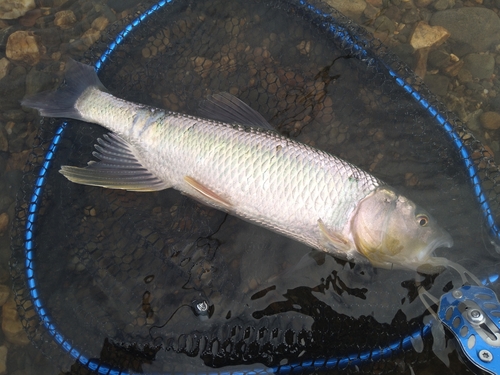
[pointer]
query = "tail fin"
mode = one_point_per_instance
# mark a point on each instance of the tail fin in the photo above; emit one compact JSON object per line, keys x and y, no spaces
{"x":61,"y":103}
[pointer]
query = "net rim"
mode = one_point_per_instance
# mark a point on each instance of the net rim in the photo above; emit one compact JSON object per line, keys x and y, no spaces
{"x":331,"y":26}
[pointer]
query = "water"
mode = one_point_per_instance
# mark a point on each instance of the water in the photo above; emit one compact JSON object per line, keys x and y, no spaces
{"x":242,"y":284}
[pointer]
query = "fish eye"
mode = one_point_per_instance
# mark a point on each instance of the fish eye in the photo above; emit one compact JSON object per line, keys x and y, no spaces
{"x":422,"y":220}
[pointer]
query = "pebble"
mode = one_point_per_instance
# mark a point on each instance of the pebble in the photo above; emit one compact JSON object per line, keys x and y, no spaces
{"x":463,"y":23}
{"x":490,"y":120}
{"x":11,"y":324}
{"x":4,"y":143}
{"x":24,"y":46}
{"x":410,"y":16}
{"x":3,"y":359}
{"x":304,"y":47}
{"x":437,"y":83}
{"x":4,"y":223}
{"x":384,"y":24}
{"x":495,"y":103}
{"x":423,"y":3}
{"x":64,"y":19}
{"x":12,"y":9}
{"x":442,"y":4}
{"x":371,"y":12}
{"x":4,"y":294}
{"x":100,"y":23}
{"x":375,"y":3}
{"x":30,"y":18}
{"x":426,"y":36}
{"x":480,"y":65}
{"x":464,"y":76}
{"x":453,"y":69}
{"x":4,"y":35}
{"x":351,"y":8}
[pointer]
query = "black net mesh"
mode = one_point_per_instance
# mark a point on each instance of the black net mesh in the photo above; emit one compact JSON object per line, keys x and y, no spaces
{"x":158,"y":283}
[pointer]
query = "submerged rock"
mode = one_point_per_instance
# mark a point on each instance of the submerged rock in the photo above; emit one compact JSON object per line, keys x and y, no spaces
{"x":4,"y":223}
{"x":426,"y":36}
{"x":4,"y":143}
{"x":24,"y":46}
{"x":4,"y":294}
{"x":351,"y":8}
{"x":472,"y":29}
{"x":12,"y":9}
{"x":437,"y":83}
{"x":11,"y":324}
{"x":64,"y":19}
{"x":480,"y":65}
{"x":3,"y":359}
{"x":4,"y":67}
{"x":490,"y":120}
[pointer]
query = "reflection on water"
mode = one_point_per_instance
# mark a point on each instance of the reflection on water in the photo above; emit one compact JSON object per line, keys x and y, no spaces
{"x":119,"y":268}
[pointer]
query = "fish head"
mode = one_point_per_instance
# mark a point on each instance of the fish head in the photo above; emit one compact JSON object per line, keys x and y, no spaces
{"x":393,"y":232}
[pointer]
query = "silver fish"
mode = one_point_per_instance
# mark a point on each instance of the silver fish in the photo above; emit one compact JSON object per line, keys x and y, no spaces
{"x":242,"y":167}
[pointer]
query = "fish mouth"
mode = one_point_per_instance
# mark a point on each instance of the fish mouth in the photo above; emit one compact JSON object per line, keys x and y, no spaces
{"x":443,"y":240}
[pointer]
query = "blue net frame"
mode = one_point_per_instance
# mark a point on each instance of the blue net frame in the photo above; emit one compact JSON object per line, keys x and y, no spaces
{"x":362,"y":51}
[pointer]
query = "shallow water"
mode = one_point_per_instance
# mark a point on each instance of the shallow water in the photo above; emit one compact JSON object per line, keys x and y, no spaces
{"x":236,"y":282}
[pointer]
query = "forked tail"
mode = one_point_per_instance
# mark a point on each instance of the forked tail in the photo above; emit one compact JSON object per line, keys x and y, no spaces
{"x":62,"y":102}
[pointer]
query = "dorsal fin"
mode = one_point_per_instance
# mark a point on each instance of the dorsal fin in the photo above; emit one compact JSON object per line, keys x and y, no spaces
{"x":227,"y":108}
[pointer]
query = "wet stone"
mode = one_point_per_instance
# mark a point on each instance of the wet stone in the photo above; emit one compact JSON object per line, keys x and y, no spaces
{"x":442,"y":4}
{"x":480,"y":65}
{"x":11,"y":324}
{"x":4,"y":223}
{"x":411,"y":16}
{"x":453,"y":69}
{"x":384,"y":23}
{"x":464,"y":76}
{"x":437,"y":83}
{"x":371,"y":12}
{"x":495,"y":103}
{"x":463,"y":24}
{"x":423,"y":3}
{"x":100,"y":23}
{"x":24,"y":46}
{"x":425,"y":36}
{"x":30,"y":18}
{"x":3,"y":359}
{"x":490,"y":120}
{"x":4,"y":143}
{"x":351,"y":8}
{"x":12,"y":9}
{"x":4,"y":294}
{"x":439,"y":58}
{"x":4,"y":35}
{"x":37,"y":81}
{"x":64,"y":19}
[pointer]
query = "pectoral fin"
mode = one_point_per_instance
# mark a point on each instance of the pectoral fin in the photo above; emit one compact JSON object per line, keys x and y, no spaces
{"x":118,"y":168}
{"x":207,"y":193}
{"x":336,"y":239}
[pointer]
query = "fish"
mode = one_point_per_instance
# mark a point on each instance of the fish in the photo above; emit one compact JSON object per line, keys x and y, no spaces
{"x":232,"y":159}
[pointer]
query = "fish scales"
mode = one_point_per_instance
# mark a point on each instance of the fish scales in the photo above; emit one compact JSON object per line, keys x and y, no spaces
{"x":268,"y":179}
{"x":235,"y":165}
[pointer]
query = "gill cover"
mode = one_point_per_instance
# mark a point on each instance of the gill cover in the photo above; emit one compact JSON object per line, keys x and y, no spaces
{"x":393,"y":232}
